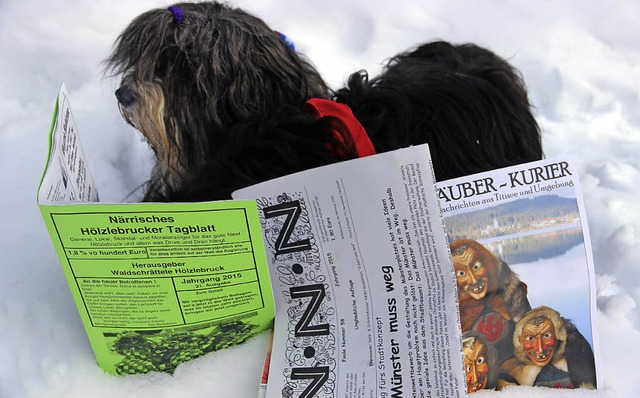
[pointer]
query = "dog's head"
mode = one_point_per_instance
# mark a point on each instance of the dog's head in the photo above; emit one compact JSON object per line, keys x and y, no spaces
{"x":191,"y":72}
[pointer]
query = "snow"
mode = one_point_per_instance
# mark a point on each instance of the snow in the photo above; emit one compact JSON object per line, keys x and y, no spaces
{"x":580,"y":60}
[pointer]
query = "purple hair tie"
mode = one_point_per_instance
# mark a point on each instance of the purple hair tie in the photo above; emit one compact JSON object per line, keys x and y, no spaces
{"x":288,"y":41}
{"x":178,"y":15}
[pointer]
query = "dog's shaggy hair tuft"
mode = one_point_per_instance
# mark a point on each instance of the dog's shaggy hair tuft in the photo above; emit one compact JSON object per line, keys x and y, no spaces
{"x":470,"y":105}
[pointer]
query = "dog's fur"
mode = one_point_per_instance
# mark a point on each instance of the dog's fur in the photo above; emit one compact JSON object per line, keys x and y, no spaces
{"x":219,"y":96}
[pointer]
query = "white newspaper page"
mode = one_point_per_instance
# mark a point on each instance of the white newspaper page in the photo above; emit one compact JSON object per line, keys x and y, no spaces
{"x":365,"y":293}
{"x":67,"y":178}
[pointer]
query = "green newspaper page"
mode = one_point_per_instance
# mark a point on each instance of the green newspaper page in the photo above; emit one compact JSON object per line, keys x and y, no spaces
{"x":156,"y":284}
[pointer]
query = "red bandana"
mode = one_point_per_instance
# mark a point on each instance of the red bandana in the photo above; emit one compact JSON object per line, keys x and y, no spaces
{"x":319,"y":108}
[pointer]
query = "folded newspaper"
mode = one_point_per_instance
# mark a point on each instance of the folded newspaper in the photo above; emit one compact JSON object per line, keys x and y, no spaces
{"x":363,"y":281}
{"x":526,"y":283}
{"x":156,"y":284}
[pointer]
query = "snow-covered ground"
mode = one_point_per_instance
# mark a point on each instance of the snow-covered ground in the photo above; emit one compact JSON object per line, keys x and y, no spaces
{"x":581,"y":62}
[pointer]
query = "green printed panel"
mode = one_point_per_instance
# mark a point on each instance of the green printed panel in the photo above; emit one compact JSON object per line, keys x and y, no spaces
{"x":130,"y":303}
{"x":208,"y":304}
{"x":138,"y":290}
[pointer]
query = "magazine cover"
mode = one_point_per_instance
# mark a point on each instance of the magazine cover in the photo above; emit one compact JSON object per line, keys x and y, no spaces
{"x":522,"y":257}
{"x":363,"y":281}
{"x":155,"y":284}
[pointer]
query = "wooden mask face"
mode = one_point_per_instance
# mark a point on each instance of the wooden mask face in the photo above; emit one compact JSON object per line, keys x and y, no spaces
{"x":476,"y":364}
{"x":472,"y":272}
{"x":538,"y":340}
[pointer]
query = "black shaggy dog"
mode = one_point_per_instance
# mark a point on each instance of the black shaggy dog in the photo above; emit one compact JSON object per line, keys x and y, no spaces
{"x":223,"y":101}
